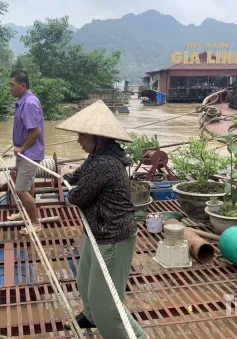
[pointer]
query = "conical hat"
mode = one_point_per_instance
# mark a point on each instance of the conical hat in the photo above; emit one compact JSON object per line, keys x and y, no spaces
{"x":96,"y":119}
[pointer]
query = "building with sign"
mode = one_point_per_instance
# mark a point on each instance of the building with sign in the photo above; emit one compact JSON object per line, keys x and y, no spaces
{"x":193,"y":80}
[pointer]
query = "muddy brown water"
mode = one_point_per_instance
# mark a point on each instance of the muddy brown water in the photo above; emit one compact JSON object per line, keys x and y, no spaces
{"x":172,"y":131}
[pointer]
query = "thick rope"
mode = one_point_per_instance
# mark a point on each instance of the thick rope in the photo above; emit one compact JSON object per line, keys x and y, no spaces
{"x":62,"y":142}
{"x":207,"y":115}
{"x":100,"y":259}
{"x":48,"y":163}
{"x":160,"y":121}
{"x":214,"y":97}
{"x":77,"y":332}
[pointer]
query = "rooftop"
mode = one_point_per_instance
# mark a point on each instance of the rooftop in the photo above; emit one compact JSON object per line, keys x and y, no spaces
{"x":202,"y":66}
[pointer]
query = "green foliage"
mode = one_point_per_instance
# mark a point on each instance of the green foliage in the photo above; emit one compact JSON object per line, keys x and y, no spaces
{"x":60,"y":71}
{"x":195,"y":160}
{"x":230,"y":188}
{"x":27,"y":63}
{"x":46,"y":42}
{"x":5,"y":62}
{"x":5,"y":98}
{"x":6,"y":55}
{"x":121,"y":97}
{"x":87,"y":72}
{"x":139,"y":144}
{"x":51,"y":93}
{"x":5,"y":33}
{"x":228,"y":210}
{"x":214,"y":200}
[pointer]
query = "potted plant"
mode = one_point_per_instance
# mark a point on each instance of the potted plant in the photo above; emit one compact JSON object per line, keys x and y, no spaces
{"x":227,"y":216}
{"x":214,"y":204}
{"x":198,"y":164}
{"x":140,"y":144}
{"x":140,"y":190}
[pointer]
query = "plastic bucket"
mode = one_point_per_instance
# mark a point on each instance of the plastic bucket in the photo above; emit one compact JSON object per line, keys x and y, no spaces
{"x":163,"y":191}
{"x":16,"y":270}
{"x":154,"y":225}
{"x":228,"y":244}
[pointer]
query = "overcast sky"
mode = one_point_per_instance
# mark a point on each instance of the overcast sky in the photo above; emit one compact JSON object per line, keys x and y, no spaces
{"x":24,"y":12}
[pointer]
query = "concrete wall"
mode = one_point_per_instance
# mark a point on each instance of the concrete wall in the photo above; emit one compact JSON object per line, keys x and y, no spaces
{"x":164,"y":84}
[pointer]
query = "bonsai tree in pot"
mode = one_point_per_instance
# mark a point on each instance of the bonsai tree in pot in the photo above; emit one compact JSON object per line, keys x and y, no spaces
{"x":140,"y":190}
{"x":227,"y":215}
{"x":195,"y":164}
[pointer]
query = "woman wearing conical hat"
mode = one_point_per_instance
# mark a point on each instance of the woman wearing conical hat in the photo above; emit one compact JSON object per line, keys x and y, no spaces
{"x":103,"y":193}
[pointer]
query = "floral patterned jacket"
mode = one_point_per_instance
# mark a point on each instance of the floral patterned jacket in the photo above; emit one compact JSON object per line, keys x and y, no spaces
{"x":103,"y":193}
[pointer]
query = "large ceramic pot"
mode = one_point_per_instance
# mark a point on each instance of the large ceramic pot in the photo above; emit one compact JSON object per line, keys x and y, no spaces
{"x":220,"y":222}
{"x":194,"y":204}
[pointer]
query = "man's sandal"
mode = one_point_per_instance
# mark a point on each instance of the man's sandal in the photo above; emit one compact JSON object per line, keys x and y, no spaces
{"x":15,"y":217}
{"x":25,"y":231}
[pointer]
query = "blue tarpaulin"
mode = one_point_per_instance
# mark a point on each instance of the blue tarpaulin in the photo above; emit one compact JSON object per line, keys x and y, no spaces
{"x":160,"y":97}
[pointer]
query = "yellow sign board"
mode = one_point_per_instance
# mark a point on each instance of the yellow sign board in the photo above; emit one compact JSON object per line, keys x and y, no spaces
{"x":193,"y":57}
{"x":208,"y":45}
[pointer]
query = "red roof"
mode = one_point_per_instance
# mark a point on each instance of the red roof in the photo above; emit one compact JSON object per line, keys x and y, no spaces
{"x":201,"y":66}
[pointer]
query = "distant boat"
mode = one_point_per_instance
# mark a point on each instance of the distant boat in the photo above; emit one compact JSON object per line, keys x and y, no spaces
{"x":151,"y":97}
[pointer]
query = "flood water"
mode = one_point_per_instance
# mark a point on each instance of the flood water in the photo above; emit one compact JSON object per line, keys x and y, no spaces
{"x":172,"y":131}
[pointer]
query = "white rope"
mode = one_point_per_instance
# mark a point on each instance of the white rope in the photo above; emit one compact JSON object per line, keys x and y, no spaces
{"x":207,"y":115}
{"x":118,"y":303}
{"x":48,"y":163}
{"x":44,"y":260}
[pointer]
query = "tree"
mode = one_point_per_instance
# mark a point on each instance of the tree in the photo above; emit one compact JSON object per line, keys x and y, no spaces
{"x":5,"y":33}
{"x":46,"y":41}
{"x":28,"y":64}
{"x":6,"y":54}
{"x":53,"y":54}
{"x":5,"y":98}
{"x":61,"y":71}
{"x":87,"y":71}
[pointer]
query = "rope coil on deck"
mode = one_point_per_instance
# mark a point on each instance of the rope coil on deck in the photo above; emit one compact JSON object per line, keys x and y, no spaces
{"x":48,"y":163}
{"x":207,"y":115}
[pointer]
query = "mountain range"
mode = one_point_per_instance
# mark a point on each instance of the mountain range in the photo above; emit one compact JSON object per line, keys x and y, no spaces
{"x":146,"y":40}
